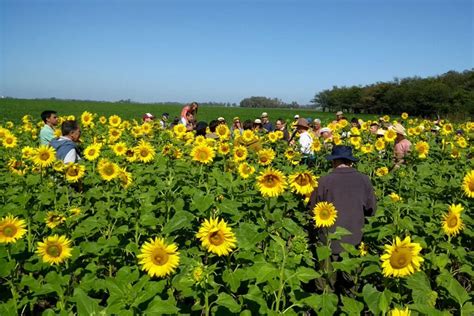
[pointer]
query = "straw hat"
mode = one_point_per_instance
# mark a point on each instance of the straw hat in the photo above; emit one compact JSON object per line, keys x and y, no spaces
{"x":399,"y":129}
{"x":302,"y":122}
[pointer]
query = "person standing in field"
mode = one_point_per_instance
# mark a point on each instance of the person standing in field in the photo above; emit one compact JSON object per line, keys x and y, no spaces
{"x":402,"y":146}
{"x":280,"y":125}
{"x":266,"y":124}
{"x":66,"y":145}
{"x":189,"y":108}
{"x":305,"y":141}
{"x":50,"y":119}
{"x":148,"y":117}
{"x":353,"y":197}
{"x":316,"y":127}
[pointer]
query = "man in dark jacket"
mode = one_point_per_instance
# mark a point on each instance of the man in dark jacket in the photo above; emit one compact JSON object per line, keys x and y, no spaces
{"x":350,"y":191}
{"x":352,"y":194}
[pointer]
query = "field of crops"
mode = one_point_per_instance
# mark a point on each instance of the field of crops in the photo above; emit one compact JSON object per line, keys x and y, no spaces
{"x":157,"y":221}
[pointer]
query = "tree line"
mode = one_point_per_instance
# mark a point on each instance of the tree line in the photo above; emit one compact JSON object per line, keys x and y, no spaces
{"x":452,"y":92}
{"x":264,"y":102}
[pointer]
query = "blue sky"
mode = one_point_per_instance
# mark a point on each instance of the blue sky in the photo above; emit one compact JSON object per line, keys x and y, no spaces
{"x":224,"y":50}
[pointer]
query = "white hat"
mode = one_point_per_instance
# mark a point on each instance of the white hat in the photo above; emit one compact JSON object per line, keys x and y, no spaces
{"x":258,"y":121}
{"x":325,"y":129}
{"x":297,"y":116}
{"x":264,"y":114}
{"x":316,"y":120}
{"x":380,"y":132}
{"x":220,"y":119}
{"x":339,"y":113}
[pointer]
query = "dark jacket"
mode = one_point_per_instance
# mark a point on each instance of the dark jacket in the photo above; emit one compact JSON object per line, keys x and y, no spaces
{"x":353,"y":196}
{"x":62,"y":147}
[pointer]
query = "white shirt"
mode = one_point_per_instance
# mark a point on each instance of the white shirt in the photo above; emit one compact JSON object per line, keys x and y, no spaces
{"x":71,"y":155}
{"x":306,"y":141}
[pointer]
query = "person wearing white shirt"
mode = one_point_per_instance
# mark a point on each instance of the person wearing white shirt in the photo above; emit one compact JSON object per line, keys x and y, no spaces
{"x":305,"y":141}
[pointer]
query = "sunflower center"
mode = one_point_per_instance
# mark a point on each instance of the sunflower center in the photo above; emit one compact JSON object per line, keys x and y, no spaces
{"x":72,"y":172}
{"x":9,"y":231}
{"x":91,"y":152}
{"x":202,"y":155}
{"x":44,"y":156}
{"x":109,"y":170}
{"x":452,"y":221}
{"x":302,"y":180}
{"x":264,"y":159}
{"x":160,"y":257}
{"x":9,"y":140}
{"x":324,"y":214}
{"x":54,"y":250}
{"x":400,"y":258}
{"x":471,"y":185}
{"x":271,"y":181}
{"x":144,"y":152}
{"x":216,"y":238}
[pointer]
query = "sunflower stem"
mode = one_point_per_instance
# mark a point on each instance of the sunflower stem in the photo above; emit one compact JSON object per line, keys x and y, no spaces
{"x":206,"y":302}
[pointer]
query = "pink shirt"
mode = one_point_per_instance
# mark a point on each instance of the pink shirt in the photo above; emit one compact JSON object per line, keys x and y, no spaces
{"x":402,"y":148}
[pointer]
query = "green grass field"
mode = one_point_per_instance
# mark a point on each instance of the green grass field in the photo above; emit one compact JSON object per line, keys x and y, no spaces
{"x":14,"y":109}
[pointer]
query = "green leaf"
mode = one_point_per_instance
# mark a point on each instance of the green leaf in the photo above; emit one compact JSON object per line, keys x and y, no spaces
{"x":8,"y":308}
{"x":160,"y":307}
{"x":373,"y":268}
{"x":248,"y":236}
{"x":228,"y":301}
{"x":323,"y":252}
{"x":293,"y":228}
{"x":372,"y":298}
{"x":324,"y":304}
{"x":419,"y":284}
{"x":254,"y":294}
{"x":351,"y":306}
{"x":305,"y":274}
{"x":264,"y":272}
{"x":6,"y":267}
{"x":385,"y":300}
{"x":84,"y":304}
{"x":455,"y":289}
{"x":339,"y":233}
{"x":232,"y":278}
{"x":180,"y":220}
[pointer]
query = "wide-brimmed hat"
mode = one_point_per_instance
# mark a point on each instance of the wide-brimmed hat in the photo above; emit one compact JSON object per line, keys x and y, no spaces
{"x":148,"y":115}
{"x":341,"y":152}
{"x":257,"y":121}
{"x":339,"y":113}
{"x":264,"y":114}
{"x":399,"y":129}
{"x":380,"y":132}
{"x":302,"y":122}
{"x":325,"y":129}
{"x":221,"y":119}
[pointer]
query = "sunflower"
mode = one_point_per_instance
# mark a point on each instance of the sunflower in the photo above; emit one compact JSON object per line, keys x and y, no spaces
{"x":158,"y":258}
{"x":11,"y":229}
{"x":223,"y":148}
{"x":367,"y":148}
{"x":380,"y":144}
{"x":125,"y":177}
{"x":395,"y":197}
{"x":468,"y":184}
{"x":179,"y":130}
{"x":54,"y":249}
{"x":223,"y":132}
{"x":400,"y":312}
{"x":447,"y":129}
{"x":92,"y":152}
{"x":290,"y":153}
{"x":199,"y":140}
{"x":27,"y":152}
{"x":17,"y":167}
{"x":58,"y":166}
{"x":86,"y":118}
{"x":363,"y":249}
{"x":248,"y":136}
{"x":316,"y":145}
{"x":54,"y":219}
{"x":461,"y":141}
{"x":216,"y":237}
{"x":279,"y":134}
{"x":75,"y":211}
{"x":452,"y":222}
{"x":119,"y":148}
{"x":380,"y":172}
{"x":74,"y":172}
{"x":271,"y":182}
{"x":115,"y":121}
{"x":114,"y":134}
{"x":9,"y":141}
{"x":245,"y":170}
{"x":147,"y":128}
{"x":203,"y":154}
{"x":108,"y":170}
{"x":272,"y":137}
{"x":144,"y":151}
{"x":402,"y":258}
{"x":325,"y":214}
{"x":240,"y":153}
{"x":404,"y":115}
{"x":422,"y":148}
{"x":102,"y":119}
{"x":44,"y":156}
{"x":266,"y":156}
{"x":303,"y":182}
{"x":390,"y":135}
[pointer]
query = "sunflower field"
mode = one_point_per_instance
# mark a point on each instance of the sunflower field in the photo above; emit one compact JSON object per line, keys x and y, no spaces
{"x":154,"y":221}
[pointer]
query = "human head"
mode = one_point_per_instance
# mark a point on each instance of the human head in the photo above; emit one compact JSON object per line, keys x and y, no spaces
{"x":165,"y":116}
{"x":400,"y":130}
{"x":302,"y":125}
{"x":212,"y":125}
{"x":236,"y":121}
{"x":264,"y":117}
{"x":201,"y":128}
{"x":339,"y":115}
{"x":189,"y":117}
{"x":248,"y":124}
{"x":194,"y":107}
{"x":221,"y":120}
{"x":317,"y":123}
{"x":355,"y":122}
{"x":148,"y":117}
{"x":71,"y":129}
{"x":374,"y":128}
{"x":341,"y":155}
{"x":296,"y":117}
{"x":280,"y":124}
{"x":257,"y":124}
{"x":50,"y":117}
{"x":326,"y":132}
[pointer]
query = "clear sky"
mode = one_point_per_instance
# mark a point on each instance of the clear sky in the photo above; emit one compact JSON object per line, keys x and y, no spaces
{"x":224,"y":50}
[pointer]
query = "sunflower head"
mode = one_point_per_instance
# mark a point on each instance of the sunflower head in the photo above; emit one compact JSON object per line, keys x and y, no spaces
{"x":11,"y":229}
{"x":54,"y":249}
{"x":325,"y":214}
{"x":203,"y":154}
{"x":303,"y":182}
{"x":468,"y":184}
{"x":271,"y":182}
{"x":401,"y":258}
{"x":44,"y":156}
{"x":245,"y":170}
{"x":452,"y":222}
{"x":158,"y":258}
{"x":217,"y":237}
{"x":266,"y":156}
